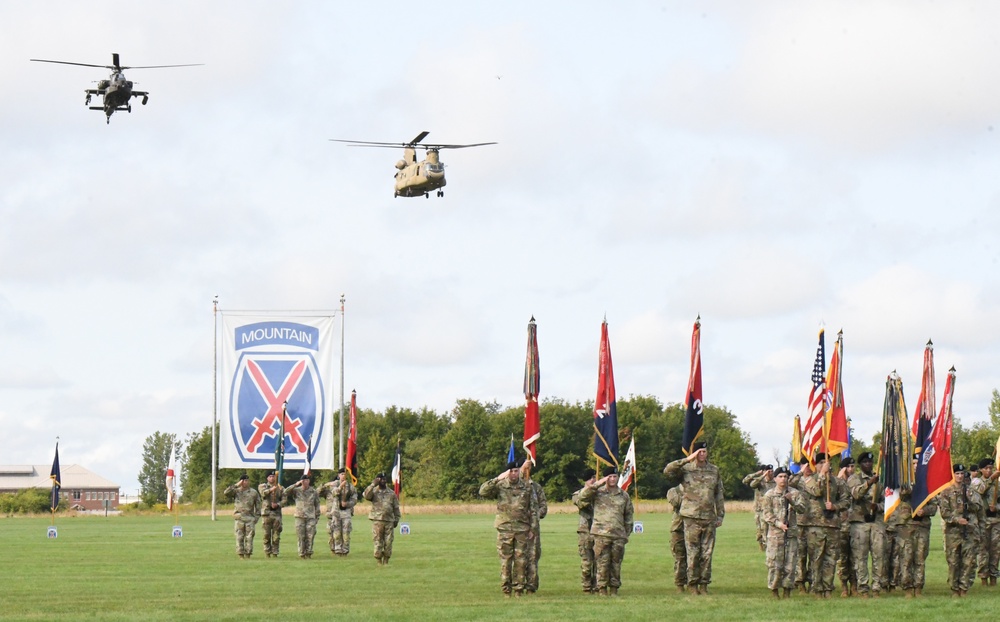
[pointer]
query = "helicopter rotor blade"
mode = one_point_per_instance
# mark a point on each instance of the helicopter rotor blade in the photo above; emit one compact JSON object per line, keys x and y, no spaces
{"x":114,"y":61}
{"x":456,"y":146}
{"x":162,"y":66}
{"x":420,"y":137}
{"x":368,"y":143}
{"x":64,"y":62}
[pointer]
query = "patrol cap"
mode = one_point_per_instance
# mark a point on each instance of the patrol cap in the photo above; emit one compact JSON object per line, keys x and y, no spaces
{"x":244,"y":476}
{"x":610,"y":470}
{"x":699,"y":445}
{"x":985,"y":462}
{"x":846,"y":462}
{"x":866,"y":457}
{"x":958,"y":468}
{"x":588,"y":473}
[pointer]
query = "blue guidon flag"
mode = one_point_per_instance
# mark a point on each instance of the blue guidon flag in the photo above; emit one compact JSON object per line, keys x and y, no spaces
{"x":277,"y":376}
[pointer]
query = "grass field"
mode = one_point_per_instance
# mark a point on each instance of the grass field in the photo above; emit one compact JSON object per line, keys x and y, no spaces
{"x":446,"y":569}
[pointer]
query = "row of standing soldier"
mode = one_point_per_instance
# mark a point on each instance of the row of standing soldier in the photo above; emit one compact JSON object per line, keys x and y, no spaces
{"x":341,"y":497}
{"x":816,"y":526}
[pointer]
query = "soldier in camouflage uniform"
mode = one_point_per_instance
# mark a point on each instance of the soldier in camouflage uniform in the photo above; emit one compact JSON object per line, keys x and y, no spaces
{"x":989,"y":552}
{"x":867,"y":527}
{"x":246,"y":512}
{"x":900,"y":525}
{"x":515,"y":506}
{"x":270,"y":495}
{"x":779,"y":508}
{"x":341,"y":497}
{"x":384,"y":516}
{"x":306,"y":513}
{"x":921,"y":522}
{"x":959,"y":506}
{"x":675,"y":497}
{"x":845,"y":563}
{"x":827,"y":497}
{"x":702,"y":509}
{"x":760,"y":481}
{"x":611,"y":528}
{"x":541,"y":510}
{"x":585,"y":541}
{"x":803,"y":571}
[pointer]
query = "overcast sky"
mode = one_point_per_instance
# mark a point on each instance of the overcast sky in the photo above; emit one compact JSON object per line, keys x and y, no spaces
{"x":772,"y":166}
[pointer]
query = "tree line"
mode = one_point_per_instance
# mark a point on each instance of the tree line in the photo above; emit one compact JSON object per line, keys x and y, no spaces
{"x":446,"y":456}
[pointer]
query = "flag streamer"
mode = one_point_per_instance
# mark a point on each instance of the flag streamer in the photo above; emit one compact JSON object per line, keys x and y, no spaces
{"x":605,"y":409}
{"x":694,"y":419}
{"x":351,"y":464}
{"x":934,"y":469}
{"x":835,"y":429}
{"x":896,"y":450}
{"x":532,"y":384}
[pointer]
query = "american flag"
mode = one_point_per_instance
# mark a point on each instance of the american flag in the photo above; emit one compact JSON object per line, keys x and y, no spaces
{"x":813,"y":433}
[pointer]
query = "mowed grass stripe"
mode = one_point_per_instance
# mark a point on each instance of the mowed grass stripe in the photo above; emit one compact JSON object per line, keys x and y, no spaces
{"x":446,"y":569}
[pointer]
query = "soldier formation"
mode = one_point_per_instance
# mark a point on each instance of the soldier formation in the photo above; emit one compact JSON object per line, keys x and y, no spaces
{"x":818,"y":526}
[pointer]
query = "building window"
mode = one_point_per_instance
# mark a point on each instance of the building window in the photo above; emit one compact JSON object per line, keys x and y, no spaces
{"x":76,"y":495}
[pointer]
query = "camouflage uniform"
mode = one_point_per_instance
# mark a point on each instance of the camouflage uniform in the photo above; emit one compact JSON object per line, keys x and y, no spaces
{"x":611,"y":529}
{"x":515,"y":506}
{"x":270,"y":496}
{"x":867,"y":529}
{"x":901,"y":528}
{"x":822,"y":536}
{"x":758,"y":482}
{"x":585,"y":545}
{"x":845,"y":561}
{"x":782,"y":546}
{"x":385,"y":517}
{"x":989,"y":552}
{"x":921,"y":542}
{"x":246,"y":512}
{"x":306,"y":515}
{"x":702,"y":510}
{"x":960,"y":541}
{"x":341,"y":497}
{"x":677,"y":548}
{"x":542,"y":508}
{"x":803,"y":571}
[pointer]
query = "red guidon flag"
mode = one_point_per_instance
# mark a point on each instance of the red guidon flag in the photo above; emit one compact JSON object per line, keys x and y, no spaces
{"x":397,"y":471}
{"x":351,"y":463}
{"x":836,"y":414}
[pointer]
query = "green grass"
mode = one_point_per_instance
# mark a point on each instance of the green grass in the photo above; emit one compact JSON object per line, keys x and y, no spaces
{"x":447,"y":569}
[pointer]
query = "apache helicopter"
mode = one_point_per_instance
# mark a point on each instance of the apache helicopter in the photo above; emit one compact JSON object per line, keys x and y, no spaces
{"x":413,"y":178}
{"x":116,"y":90}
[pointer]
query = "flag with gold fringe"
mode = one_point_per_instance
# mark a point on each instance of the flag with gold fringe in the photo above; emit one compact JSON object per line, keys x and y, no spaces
{"x":896,"y":450}
{"x":694,"y":417}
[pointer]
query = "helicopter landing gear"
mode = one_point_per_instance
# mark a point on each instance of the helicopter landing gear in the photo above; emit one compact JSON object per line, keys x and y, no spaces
{"x":440,"y":193}
{"x":129,"y":108}
{"x":427,"y":195}
{"x":395,"y":194}
{"x":86,"y":102}
{"x":107,"y":120}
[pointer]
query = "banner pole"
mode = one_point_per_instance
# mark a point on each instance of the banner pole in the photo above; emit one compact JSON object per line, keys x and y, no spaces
{"x":340,"y":453}
{"x":215,"y":396}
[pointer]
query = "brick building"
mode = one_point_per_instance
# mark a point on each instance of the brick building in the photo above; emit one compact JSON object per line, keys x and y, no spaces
{"x":81,"y":488}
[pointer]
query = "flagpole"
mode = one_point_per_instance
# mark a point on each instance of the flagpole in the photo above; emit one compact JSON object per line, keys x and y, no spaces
{"x":340,"y":452}
{"x":215,"y":395}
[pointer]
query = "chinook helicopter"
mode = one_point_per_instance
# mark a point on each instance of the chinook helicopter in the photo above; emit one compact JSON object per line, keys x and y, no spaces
{"x":413,"y":178}
{"x":116,"y":90}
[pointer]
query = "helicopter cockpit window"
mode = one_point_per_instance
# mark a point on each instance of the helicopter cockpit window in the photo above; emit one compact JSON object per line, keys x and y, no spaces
{"x":435,"y":168}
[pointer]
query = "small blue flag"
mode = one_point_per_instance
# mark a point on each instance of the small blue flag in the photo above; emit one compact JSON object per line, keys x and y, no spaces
{"x":510,"y":454}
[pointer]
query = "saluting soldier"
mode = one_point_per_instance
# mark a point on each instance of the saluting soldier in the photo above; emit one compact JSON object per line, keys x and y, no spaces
{"x":702,"y":510}
{"x":541,"y":510}
{"x":306,"y":513}
{"x":779,"y":509}
{"x":585,"y":541}
{"x":959,"y":506}
{"x":341,"y":497}
{"x":384,"y":516}
{"x":270,"y":495}
{"x":760,"y":481}
{"x":246,"y":512}
{"x":612,"y":526}
{"x":515,"y":503}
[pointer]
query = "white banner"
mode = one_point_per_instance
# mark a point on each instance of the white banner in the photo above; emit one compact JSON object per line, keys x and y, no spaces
{"x":268,"y":361}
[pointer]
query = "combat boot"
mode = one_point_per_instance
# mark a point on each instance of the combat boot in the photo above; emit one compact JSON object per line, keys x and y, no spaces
{"x":704,"y":588}
{"x":681,"y":589}
{"x":613,"y":591}
{"x":603,"y":591}
{"x":919,"y":591}
{"x":775,"y":593}
{"x":845,"y":589}
{"x":993,"y":581}
{"x":985,"y":581}
{"x":788,"y":592}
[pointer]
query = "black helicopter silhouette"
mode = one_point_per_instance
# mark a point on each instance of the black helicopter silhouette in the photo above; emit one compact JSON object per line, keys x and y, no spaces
{"x":116,"y":90}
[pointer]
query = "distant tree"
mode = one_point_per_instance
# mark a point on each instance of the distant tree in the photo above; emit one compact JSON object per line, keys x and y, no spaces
{"x":196,"y":474}
{"x":375,"y":459}
{"x":470,"y":452}
{"x":155,"y":457}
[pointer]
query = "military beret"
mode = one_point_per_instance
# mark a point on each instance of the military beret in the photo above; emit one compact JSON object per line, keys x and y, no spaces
{"x":974,"y":468}
{"x":382,"y":475}
{"x":306,"y":477}
{"x":610,"y":470}
{"x":341,"y":470}
{"x":699,"y":445}
{"x":846,"y":462}
{"x":958,"y":468}
{"x":803,"y":460}
{"x":820,"y":457}
{"x":866,"y":457}
{"x":588,"y":473}
{"x":270,"y":473}
{"x":780,"y":471}
{"x":985,"y":462}
{"x":768,"y":467}
{"x":512,"y":465}
{"x":244,"y":476}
